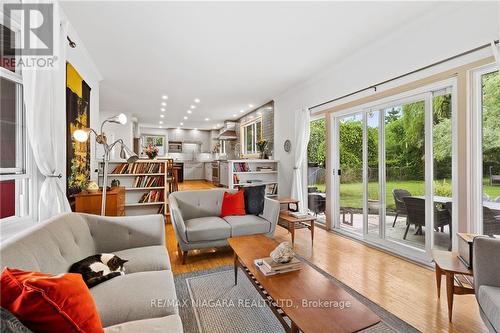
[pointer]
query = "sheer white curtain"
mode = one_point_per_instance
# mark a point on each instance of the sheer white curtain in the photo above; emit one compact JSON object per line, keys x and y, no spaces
{"x":301,"y":141}
{"x":42,"y":100}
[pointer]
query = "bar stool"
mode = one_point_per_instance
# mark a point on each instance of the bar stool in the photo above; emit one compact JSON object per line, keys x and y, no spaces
{"x":172,"y":176}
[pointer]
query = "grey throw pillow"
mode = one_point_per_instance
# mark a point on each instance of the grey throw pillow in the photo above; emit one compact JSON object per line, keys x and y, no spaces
{"x":254,"y":199}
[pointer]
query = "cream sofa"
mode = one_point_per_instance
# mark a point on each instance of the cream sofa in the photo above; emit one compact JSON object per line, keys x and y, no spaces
{"x":142,"y":300}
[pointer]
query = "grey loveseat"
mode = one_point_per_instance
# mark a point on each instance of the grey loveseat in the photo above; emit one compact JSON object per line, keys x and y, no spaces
{"x":142,"y":300}
{"x":486,"y":267}
{"x":197,"y":225}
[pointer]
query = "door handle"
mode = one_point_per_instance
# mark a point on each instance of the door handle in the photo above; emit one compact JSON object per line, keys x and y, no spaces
{"x":339,"y":172}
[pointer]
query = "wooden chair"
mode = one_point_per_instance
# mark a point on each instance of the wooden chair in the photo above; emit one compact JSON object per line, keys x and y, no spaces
{"x":172,"y":176}
{"x":398,"y":195}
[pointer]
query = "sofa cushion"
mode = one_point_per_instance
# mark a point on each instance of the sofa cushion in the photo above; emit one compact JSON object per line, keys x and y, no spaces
{"x":247,"y":225}
{"x":135,"y":296}
{"x":206,"y":229}
{"x":254,"y":199}
{"x":171,"y":324}
{"x":195,"y":204}
{"x":147,"y":258}
{"x":489,"y":300}
{"x":51,"y":246}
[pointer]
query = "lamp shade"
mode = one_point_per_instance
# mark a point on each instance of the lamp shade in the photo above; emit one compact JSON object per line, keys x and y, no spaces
{"x":128,"y":155}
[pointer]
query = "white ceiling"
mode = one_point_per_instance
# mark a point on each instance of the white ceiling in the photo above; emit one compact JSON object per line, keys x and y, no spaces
{"x":227,"y":54}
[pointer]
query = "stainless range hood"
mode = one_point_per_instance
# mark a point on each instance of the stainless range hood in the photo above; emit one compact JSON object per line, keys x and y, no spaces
{"x":228,"y":132}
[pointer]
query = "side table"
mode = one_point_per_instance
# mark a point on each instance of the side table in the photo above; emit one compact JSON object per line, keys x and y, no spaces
{"x":448,"y":264}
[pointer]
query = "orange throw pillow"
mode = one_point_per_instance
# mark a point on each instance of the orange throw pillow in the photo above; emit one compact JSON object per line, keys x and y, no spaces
{"x":233,"y":204}
{"x":49,"y":303}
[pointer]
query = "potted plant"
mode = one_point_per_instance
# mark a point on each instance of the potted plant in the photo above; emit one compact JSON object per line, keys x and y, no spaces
{"x":261,"y":146}
{"x":151,"y":151}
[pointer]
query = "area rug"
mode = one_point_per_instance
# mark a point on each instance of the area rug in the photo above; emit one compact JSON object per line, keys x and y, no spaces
{"x":209,"y":302}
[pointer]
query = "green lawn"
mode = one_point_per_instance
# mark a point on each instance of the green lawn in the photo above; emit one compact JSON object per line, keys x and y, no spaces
{"x":351,"y":194}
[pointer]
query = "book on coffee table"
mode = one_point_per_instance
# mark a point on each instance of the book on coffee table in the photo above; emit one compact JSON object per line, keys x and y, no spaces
{"x":268,"y":267}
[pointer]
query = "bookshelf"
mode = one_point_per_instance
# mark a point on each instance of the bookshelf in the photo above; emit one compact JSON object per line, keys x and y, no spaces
{"x":145,"y":183}
{"x":244,"y":173}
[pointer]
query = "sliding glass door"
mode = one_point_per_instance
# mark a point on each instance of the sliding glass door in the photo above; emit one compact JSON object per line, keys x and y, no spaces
{"x":486,"y":151}
{"x":393,"y":171}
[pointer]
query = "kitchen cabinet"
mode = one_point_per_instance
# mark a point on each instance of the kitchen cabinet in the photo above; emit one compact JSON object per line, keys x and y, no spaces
{"x":208,"y":171}
{"x":224,"y":174}
{"x":193,"y":171}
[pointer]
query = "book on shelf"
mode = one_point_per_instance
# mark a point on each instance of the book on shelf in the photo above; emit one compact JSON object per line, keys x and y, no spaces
{"x":236,"y":179}
{"x":152,"y":196}
{"x":272,"y":189}
{"x":265,"y":168}
{"x":135,"y":168}
{"x":269,"y":267}
{"x":241,"y":167}
{"x":148,"y":181}
{"x":161,"y":210}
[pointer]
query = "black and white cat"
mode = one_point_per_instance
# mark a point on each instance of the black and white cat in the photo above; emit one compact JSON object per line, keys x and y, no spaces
{"x":99,"y":268}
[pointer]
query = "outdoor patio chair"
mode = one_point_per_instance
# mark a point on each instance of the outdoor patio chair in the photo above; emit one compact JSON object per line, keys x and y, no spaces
{"x":416,"y":216}
{"x":399,"y":194}
{"x":316,"y":203}
{"x":491,"y":223}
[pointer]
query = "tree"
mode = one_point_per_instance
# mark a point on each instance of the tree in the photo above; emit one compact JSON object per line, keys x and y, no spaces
{"x":316,"y":150}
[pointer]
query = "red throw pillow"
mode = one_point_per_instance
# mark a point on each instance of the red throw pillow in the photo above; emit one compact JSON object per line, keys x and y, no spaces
{"x":233,"y":204}
{"x":49,"y":303}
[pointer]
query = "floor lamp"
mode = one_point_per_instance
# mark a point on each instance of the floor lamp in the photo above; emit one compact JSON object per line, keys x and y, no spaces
{"x":82,"y":135}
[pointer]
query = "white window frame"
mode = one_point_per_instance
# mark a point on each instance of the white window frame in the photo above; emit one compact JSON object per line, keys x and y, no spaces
{"x":253,"y":123}
{"x":476,"y":154}
{"x":25,"y":195}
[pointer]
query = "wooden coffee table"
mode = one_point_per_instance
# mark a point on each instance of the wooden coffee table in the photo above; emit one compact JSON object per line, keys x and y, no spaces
{"x":311,"y":301}
{"x":291,"y":224}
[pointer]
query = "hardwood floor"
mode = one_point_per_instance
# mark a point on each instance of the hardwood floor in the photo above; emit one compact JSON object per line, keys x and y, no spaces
{"x":405,"y":289}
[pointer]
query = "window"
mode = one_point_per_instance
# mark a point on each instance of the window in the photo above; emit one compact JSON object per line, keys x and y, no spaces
{"x":252,"y":133}
{"x":14,"y":176}
{"x":316,"y":172}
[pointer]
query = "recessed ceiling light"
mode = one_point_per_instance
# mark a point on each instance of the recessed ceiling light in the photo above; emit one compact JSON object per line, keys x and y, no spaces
{"x":162,"y":109}
{"x":234,"y":115}
{"x":241,"y":111}
{"x":189,"y":111}
{"x":250,"y":105}
{"x":193,"y":106}
{"x":160,"y":122}
{"x":163,"y":104}
{"x":185,"y":118}
{"x":207,"y":119}
{"x":217,"y":125}
{"x":197,"y":100}
{"x":164,"y":97}
{"x":160,"y":126}
{"x":181,"y":124}
{"x":259,"y":113}
{"x":162,"y":116}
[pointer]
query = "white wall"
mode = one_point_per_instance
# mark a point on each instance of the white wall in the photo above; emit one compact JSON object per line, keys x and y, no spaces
{"x":446,"y":32}
{"x":83,"y":63}
{"x":114,"y":132}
